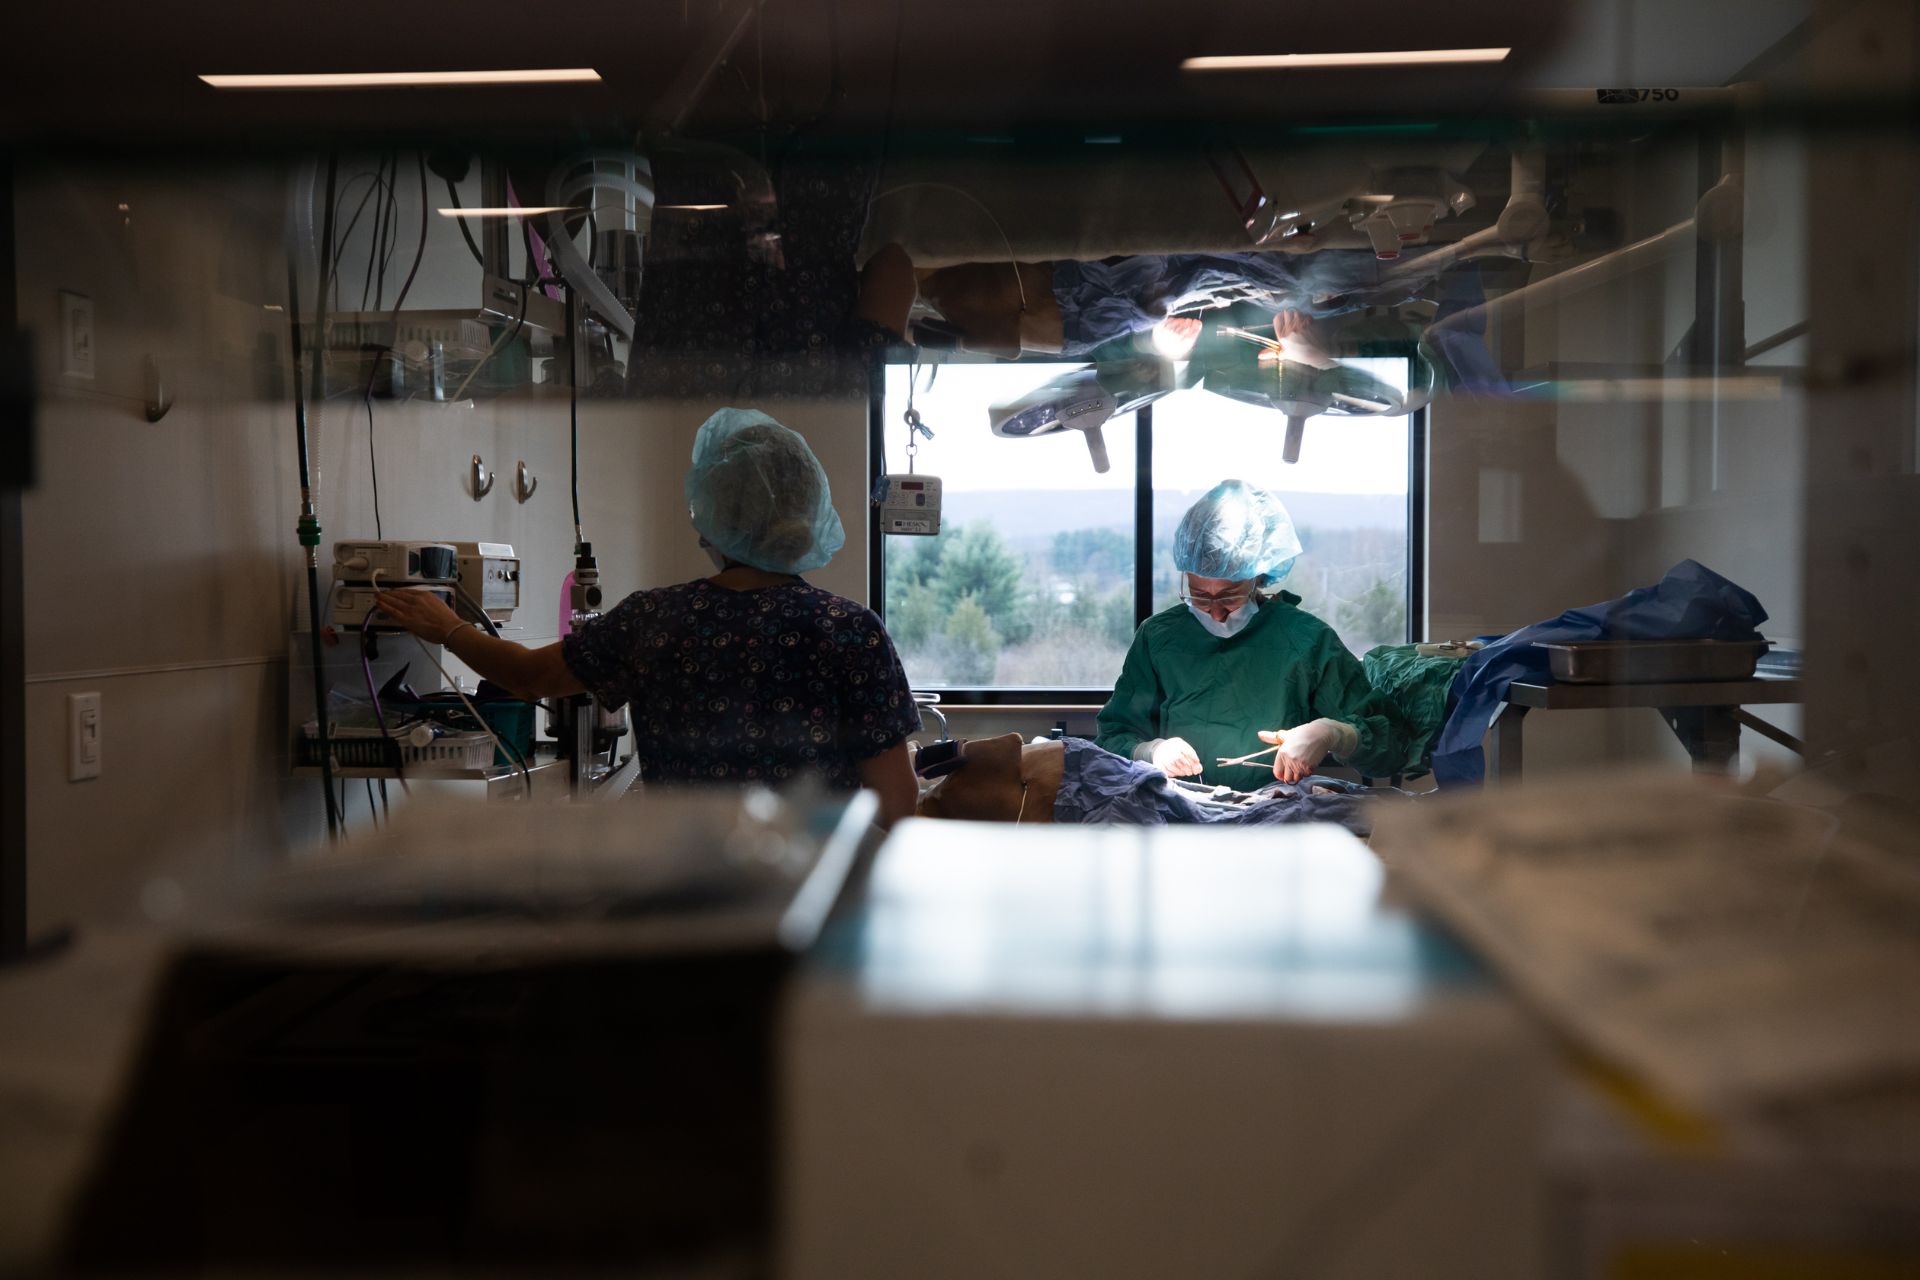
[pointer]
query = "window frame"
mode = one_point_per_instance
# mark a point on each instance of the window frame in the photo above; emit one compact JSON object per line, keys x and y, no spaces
{"x":1097,"y":696}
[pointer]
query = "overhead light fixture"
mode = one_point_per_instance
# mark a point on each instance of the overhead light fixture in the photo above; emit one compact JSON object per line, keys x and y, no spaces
{"x":1370,"y":58}
{"x":507,"y":211}
{"x":692,"y":208}
{"x":403,"y":79}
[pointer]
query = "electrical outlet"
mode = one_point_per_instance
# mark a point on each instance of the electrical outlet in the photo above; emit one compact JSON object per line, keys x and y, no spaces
{"x":83,"y":736}
{"x":76,"y":335}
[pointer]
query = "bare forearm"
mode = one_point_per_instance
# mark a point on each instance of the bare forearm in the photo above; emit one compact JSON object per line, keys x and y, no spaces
{"x":890,"y":776}
{"x":528,"y":673}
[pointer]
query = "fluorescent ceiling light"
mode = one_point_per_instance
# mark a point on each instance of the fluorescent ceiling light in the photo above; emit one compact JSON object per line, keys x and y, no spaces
{"x":515,"y":211}
{"x":403,"y":79}
{"x":697,"y":208}
{"x":1373,"y":58}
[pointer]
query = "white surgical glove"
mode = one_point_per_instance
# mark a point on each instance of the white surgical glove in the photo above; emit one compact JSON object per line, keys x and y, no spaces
{"x":1176,"y":758}
{"x":1303,"y":747}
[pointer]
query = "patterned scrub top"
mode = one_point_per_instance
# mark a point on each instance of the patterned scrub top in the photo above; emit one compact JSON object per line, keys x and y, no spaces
{"x":747,"y":686}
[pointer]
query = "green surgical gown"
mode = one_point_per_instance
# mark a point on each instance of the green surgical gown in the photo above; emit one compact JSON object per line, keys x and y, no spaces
{"x":1284,"y":668}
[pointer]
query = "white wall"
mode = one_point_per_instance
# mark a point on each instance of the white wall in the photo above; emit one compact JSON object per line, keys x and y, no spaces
{"x":161,"y":565}
{"x":1609,"y":495}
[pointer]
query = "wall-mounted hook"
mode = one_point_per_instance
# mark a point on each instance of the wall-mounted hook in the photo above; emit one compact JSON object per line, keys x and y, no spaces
{"x":524,"y":482}
{"x":482,"y":479}
{"x":159,"y":399}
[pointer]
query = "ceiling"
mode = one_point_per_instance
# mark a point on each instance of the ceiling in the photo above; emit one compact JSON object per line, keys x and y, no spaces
{"x":126,"y":75}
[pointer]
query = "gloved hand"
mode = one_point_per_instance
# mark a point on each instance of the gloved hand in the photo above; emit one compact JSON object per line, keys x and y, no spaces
{"x":1175,"y":337}
{"x":1295,"y":331}
{"x":1288,"y":324}
{"x":1303,"y":747}
{"x":1176,"y":758}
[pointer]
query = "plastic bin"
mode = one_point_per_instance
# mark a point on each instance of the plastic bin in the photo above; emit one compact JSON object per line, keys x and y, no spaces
{"x":371,"y":749}
{"x":510,"y":718}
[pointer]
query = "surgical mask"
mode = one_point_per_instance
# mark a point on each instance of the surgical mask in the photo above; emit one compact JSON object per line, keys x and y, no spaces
{"x":1235,"y":623}
{"x":713,"y":554}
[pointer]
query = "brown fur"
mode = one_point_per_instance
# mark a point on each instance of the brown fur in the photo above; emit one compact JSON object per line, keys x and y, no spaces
{"x":1003,"y":780}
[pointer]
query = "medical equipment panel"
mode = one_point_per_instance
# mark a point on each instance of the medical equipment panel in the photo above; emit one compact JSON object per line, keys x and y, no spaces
{"x":490,"y":577}
{"x":911,"y":505}
{"x":351,"y":602}
{"x":393,"y":558}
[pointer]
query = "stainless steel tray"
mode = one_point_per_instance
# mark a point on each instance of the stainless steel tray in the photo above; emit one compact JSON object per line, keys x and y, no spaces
{"x":1653,"y":661}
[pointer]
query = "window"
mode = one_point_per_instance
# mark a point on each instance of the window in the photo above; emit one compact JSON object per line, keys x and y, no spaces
{"x":1044,"y":567}
{"x":1347,"y":496}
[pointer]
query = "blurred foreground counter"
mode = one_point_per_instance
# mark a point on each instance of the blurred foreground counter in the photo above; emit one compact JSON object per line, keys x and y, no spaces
{"x":1734,"y":972}
{"x":653,"y":1044}
{"x":1827,"y":1191}
{"x":69,"y":1032}
{"x":528,"y":1039}
{"x":1044,"y":1051}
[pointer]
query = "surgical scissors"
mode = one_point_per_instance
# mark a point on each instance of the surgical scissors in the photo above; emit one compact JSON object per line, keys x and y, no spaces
{"x":1247,"y":759}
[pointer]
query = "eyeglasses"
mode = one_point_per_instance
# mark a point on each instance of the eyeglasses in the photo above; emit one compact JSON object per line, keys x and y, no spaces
{"x":1232,"y":598}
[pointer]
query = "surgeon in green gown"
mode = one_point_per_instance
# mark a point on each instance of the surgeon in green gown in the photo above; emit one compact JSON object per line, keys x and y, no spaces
{"x":1237,"y":663}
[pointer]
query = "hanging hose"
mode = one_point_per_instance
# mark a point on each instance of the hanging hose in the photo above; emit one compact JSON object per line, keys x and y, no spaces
{"x":573,"y":415}
{"x":308,"y":528}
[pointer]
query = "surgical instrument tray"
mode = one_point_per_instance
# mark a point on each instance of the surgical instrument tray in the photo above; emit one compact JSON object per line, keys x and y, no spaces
{"x":1653,"y":661}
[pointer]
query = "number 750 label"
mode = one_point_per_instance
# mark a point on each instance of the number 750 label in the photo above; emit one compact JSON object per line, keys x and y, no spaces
{"x":1630,"y":97}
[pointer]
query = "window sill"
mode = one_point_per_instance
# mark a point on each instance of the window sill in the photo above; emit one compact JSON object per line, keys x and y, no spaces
{"x":995,"y":708}
{"x":991,"y":700}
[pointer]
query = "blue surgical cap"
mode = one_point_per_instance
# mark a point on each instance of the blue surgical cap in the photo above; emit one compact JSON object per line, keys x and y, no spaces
{"x":1237,"y":531}
{"x":757,"y":493}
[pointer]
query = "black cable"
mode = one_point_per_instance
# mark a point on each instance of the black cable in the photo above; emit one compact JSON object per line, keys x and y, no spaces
{"x":419,"y":252}
{"x":388,"y":225}
{"x":453,"y":194}
{"x":459,"y":706}
{"x":519,"y":321}
{"x":366,"y":285}
{"x":492,"y":628}
{"x":393,"y":218}
{"x":373,"y":699}
{"x":309,"y":525}
{"x":373,"y":460}
{"x":386,"y":810}
{"x":340,"y":245}
{"x":393,"y":343}
{"x":371,"y":811}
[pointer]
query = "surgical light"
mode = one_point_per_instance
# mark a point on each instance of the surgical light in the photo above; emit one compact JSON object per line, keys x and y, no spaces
{"x":403,"y":79}
{"x":1368,"y":58}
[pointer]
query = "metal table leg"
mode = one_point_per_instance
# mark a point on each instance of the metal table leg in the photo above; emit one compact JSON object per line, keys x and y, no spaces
{"x":1505,"y":763}
{"x":1711,"y":735}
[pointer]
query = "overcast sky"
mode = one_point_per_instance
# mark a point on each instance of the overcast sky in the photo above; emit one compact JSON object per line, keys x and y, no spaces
{"x":1200,"y":439}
